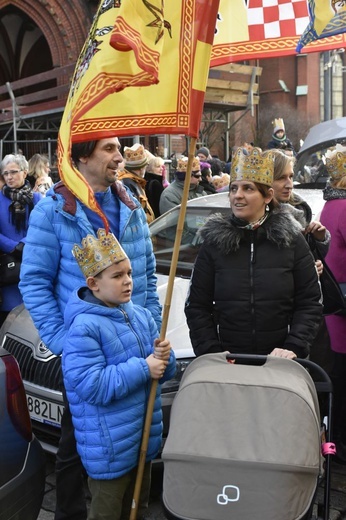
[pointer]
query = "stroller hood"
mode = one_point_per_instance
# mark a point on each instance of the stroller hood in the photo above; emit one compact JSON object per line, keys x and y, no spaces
{"x":244,"y":441}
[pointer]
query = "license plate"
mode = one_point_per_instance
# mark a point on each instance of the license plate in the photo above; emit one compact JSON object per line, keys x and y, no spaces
{"x":45,"y":411}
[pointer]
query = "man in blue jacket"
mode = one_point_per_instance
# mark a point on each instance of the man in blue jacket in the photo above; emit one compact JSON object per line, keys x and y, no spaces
{"x":49,"y":274}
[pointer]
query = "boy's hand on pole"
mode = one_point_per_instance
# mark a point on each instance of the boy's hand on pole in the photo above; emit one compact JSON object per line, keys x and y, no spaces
{"x":157,"y":367}
{"x":162,"y":349}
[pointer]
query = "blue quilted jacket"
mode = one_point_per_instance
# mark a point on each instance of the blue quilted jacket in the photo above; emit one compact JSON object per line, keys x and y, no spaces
{"x":49,"y":272}
{"x":108,"y":382}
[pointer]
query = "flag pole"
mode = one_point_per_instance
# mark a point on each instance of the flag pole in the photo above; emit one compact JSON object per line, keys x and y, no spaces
{"x":165,"y":316}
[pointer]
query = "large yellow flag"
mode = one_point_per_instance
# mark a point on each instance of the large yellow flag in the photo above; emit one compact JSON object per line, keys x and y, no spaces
{"x":143,"y":70}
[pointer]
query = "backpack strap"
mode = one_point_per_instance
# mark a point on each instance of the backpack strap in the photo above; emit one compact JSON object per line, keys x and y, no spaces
{"x":70,"y":202}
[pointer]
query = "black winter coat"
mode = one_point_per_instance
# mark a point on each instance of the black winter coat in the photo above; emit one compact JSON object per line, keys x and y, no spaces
{"x":282,"y":144}
{"x":153,"y":189}
{"x":253,"y":291}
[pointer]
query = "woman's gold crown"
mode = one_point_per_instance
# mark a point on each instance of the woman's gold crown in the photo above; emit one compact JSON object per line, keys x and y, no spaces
{"x":96,"y":254}
{"x":336,"y":162}
{"x":254,"y":166}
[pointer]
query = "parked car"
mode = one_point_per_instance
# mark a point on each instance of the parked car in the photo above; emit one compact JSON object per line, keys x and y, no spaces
{"x":22,"y":460}
{"x":41,"y":368}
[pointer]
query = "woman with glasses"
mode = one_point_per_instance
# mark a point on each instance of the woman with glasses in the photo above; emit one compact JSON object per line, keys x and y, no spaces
{"x":16,"y":202}
{"x":254,"y":287}
{"x":173,"y":194}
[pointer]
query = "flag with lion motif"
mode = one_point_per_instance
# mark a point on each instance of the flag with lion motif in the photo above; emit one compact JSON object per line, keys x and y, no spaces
{"x":143,"y":70}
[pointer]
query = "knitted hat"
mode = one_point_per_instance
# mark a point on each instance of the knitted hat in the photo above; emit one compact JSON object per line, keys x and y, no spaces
{"x":135,"y":156}
{"x":278,"y":124}
{"x":96,"y":254}
{"x":203,"y":150}
{"x":204,"y":164}
{"x":254,"y":166}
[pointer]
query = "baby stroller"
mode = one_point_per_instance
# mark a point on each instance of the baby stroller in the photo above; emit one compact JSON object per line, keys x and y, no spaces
{"x":245,"y":440}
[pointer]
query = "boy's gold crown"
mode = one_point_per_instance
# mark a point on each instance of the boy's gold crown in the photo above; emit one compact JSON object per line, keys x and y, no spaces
{"x":96,"y":254}
{"x":254,"y":166}
{"x":336,"y":162}
{"x":278,"y":124}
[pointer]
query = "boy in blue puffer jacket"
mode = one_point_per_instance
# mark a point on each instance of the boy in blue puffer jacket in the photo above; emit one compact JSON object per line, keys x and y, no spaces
{"x":111,"y":354}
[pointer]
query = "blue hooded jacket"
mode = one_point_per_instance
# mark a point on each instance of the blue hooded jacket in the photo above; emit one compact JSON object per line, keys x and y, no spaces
{"x":107,"y":381}
{"x":49,"y":272}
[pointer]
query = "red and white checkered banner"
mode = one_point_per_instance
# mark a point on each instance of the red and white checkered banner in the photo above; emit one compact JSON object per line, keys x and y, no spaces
{"x":264,"y":29}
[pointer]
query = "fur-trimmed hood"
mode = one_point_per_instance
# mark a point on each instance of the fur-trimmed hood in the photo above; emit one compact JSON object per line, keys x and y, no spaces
{"x":280,"y":228}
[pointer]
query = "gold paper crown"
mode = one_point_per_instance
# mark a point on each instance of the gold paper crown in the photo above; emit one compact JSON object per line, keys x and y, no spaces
{"x":182,"y":165}
{"x":135,"y":156}
{"x":254,"y":166}
{"x":96,"y":254}
{"x":278,"y":124}
{"x":336,"y":164}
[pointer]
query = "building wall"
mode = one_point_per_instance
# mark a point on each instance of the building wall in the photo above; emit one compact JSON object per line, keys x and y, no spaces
{"x":299,"y":111}
{"x":64,"y":23}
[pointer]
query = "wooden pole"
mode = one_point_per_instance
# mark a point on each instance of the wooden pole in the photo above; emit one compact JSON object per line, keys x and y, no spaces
{"x":165,"y":316}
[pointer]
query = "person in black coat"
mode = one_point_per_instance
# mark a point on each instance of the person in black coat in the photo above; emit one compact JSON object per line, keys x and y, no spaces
{"x":254,"y":287}
{"x":300,"y":209}
{"x":132,"y":176}
{"x":206,"y":180}
{"x":279,"y":138}
{"x":154,"y":186}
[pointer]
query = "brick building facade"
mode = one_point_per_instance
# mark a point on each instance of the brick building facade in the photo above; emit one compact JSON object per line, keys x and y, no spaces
{"x":46,"y":35}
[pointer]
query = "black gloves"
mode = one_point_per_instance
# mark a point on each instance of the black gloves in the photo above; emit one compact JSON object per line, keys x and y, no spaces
{"x":18,"y":250}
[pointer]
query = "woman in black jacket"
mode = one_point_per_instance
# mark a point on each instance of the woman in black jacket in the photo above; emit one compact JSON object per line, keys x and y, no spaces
{"x":254,"y":287}
{"x":154,"y":186}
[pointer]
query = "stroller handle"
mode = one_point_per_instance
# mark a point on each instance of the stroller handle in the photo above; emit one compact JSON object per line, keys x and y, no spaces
{"x":320,"y":377}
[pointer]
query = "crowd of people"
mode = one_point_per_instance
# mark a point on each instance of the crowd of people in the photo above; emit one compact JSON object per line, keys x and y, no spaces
{"x":92,"y":292}
{"x":24,"y":182}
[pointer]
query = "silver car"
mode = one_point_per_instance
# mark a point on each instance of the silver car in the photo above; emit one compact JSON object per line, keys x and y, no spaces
{"x":41,"y":369}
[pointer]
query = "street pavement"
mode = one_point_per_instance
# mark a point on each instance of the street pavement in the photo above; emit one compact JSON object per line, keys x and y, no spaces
{"x":155,"y":512}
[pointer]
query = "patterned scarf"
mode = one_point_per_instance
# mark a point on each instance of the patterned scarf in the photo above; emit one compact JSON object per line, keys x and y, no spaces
{"x":21,"y":197}
{"x":330,"y":193}
{"x":243,"y":224}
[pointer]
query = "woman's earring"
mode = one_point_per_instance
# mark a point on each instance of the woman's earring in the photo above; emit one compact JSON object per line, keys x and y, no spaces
{"x":267,"y":208}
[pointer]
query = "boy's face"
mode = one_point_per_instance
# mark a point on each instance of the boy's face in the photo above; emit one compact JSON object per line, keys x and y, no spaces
{"x":114,"y":285}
